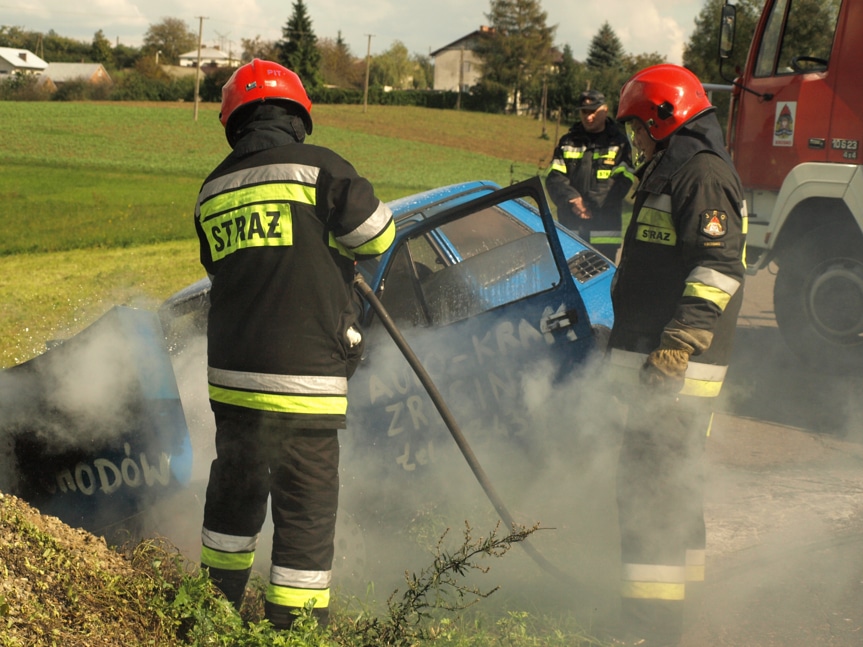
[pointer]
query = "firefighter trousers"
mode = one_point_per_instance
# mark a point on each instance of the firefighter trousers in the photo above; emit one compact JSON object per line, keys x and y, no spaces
{"x":660,"y":498}
{"x":260,"y":458}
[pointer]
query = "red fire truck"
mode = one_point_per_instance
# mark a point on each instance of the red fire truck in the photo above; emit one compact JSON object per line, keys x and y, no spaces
{"x":795,"y":129}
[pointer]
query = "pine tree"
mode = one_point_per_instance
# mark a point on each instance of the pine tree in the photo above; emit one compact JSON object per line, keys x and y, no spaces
{"x":517,"y":53}
{"x":298,"y":49}
{"x":606,"y":50}
{"x":566,"y":85}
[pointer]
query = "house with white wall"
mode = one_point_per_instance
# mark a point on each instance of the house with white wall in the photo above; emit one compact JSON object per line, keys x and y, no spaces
{"x":457,"y":65}
{"x":210,"y":57}
{"x":14,"y":60}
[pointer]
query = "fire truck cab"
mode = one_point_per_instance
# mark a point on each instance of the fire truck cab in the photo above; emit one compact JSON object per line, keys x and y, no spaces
{"x":795,"y":130}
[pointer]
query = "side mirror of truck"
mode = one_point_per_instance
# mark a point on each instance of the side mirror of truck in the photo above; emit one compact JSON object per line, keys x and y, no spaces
{"x":726,"y":31}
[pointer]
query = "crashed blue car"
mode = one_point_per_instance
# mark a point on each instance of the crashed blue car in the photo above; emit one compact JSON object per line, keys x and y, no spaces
{"x":485,"y":285}
{"x":481,"y":281}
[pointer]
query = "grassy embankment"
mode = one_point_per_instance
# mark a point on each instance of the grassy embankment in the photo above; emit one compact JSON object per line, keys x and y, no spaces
{"x":98,"y":197}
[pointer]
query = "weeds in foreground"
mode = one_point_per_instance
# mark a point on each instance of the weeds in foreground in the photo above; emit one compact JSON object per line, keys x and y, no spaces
{"x":428,"y":610}
{"x":60,"y":586}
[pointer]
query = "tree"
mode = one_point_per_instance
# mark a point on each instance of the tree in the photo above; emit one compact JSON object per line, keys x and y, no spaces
{"x":101,"y":51}
{"x":423,"y":71}
{"x":565,"y":86}
{"x":606,"y":50}
{"x":393,"y":68}
{"x":701,"y":52}
{"x":338,"y":66}
{"x":16,"y":37}
{"x":172,"y":37}
{"x":257,"y":47}
{"x":517,"y":52}
{"x":125,"y":56}
{"x":298,"y":49}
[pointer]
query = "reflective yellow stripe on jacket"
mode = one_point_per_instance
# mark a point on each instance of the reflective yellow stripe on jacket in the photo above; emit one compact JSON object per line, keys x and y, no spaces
{"x":654,"y":222}
{"x":251,"y":207}
{"x":304,"y":394}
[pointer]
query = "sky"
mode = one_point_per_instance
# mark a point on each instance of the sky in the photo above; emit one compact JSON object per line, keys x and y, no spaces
{"x":643,"y":26}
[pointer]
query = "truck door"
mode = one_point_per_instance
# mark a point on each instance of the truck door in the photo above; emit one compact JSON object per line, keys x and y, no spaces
{"x":846,"y":118}
{"x":792,"y":71}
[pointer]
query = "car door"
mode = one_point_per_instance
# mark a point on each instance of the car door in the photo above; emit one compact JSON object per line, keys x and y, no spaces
{"x":483,"y":294}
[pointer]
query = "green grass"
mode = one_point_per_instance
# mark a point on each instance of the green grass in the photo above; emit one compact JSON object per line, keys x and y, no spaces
{"x":99,"y":197}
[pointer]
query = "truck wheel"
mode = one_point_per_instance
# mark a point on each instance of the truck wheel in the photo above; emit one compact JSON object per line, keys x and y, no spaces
{"x":818,"y":301}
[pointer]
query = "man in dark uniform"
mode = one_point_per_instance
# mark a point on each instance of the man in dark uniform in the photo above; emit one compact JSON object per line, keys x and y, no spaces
{"x":591,"y":174}
{"x":280,"y":225}
{"x":676,"y":296}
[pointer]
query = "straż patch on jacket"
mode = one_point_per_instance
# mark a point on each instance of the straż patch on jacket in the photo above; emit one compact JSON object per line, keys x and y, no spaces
{"x":714,"y":223}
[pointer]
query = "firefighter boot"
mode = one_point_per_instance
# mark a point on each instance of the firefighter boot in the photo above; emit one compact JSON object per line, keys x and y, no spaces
{"x":652,"y":623}
{"x":283,"y":618}
{"x":231,"y":583}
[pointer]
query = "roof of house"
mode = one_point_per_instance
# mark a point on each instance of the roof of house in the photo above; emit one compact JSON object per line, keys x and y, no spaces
{"x":482,"y":30}
{"x":208,"y":53}
{"x":61,"y":72}
{"x":22,"y":59}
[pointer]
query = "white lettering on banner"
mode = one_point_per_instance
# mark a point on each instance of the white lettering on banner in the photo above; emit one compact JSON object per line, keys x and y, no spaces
{"x":109,"y":477}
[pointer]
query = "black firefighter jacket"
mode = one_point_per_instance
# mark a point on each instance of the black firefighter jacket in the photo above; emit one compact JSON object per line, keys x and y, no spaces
{"x":597,"y":167}
{"x":682,"y":263}
{"x":280,"y":224}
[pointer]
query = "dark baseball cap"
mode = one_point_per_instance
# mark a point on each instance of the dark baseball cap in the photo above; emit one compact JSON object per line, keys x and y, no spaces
{"x":590,"y":100}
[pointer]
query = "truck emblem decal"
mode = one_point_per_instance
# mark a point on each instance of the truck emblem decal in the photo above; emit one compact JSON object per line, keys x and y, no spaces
{"x":783,"y":131}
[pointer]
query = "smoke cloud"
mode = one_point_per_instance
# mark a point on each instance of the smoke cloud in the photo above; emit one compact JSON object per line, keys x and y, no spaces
{"x":784,"y":484}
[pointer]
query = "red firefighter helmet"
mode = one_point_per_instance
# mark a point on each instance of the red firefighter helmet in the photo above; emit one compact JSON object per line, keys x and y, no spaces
{"x":663,"y":97}
{"x":264,"y":81}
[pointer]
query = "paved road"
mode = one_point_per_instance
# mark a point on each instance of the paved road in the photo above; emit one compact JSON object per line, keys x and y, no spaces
{"x":785,"y":502}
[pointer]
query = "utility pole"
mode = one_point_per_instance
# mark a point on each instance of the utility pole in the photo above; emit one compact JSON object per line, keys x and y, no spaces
{"x":368,"y":65}
{"x":460,"y":78}
{"x":544,"y":104}
{"x":198,"y":70}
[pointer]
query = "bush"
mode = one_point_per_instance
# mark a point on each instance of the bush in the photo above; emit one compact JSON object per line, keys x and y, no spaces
{"x":81,"y":90}
{"x":23,"y":87}
{"x":135,"y":86}
{"x":212,"y":82}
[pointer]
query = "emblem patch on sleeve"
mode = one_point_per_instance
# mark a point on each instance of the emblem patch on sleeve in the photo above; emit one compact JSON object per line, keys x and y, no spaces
{"x":714,"y":223}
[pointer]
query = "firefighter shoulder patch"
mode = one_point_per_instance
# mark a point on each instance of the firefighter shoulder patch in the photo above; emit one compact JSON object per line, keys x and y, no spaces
{"x":714,"y":224}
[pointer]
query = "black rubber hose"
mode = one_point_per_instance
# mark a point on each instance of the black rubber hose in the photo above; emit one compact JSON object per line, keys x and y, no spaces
{"x":368,"y":294}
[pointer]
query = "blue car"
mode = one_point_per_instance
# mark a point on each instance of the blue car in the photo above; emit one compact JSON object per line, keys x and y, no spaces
{"x":481,"y":282}
{"x":485,"y":286}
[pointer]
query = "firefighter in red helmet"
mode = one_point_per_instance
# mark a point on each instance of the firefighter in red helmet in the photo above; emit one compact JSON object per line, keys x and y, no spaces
{"x":280,"y":225}
{"x":676,"y":296}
